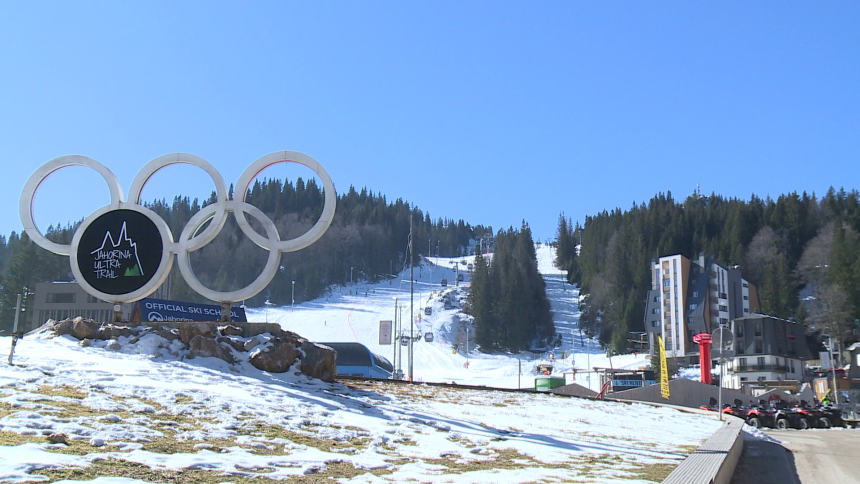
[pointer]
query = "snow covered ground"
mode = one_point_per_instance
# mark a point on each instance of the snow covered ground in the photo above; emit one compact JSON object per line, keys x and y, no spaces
{"x":142,"y":413}
{"x":352,"y":314}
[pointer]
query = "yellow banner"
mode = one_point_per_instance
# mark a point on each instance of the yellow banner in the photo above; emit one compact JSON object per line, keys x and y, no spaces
{"x":664,"y":370}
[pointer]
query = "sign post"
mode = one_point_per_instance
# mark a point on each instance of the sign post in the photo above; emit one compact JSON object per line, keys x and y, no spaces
{"x":664,"y":373}
{"x":385,"y":332}
{"x":15,"y":333}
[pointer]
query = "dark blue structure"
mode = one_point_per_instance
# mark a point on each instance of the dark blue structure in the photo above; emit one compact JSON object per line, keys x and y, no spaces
{"x":355,"y":359}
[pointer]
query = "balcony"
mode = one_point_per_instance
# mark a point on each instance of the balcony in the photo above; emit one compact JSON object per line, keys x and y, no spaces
{"x":768,"y":367}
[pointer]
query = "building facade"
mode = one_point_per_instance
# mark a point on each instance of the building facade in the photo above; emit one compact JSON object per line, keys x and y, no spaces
{"x":61,"y":300}
{"x":689,"y":297}
{"x":766,"y":349}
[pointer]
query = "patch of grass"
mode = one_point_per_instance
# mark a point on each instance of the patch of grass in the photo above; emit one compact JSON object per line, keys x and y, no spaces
{"x":687,"y":449}
{"x":122,"y":468}
{"x":183,"y":399}
{"x":652,"y":472}
{"x":11,"y":438}
{"x":62,"y":391}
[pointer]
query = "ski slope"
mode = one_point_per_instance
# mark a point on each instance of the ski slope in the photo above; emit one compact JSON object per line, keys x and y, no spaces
{"x":352,"y":314}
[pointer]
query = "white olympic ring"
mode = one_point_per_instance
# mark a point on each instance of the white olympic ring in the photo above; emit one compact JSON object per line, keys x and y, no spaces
{"x":189,"y":240}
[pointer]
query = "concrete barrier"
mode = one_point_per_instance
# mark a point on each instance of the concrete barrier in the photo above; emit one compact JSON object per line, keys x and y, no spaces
{"x":715,"y":461}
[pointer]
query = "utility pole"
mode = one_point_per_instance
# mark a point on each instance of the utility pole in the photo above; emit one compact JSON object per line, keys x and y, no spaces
{"x":411,"y":293}
{"x":15,"y":333}
{"x":293,"y":304}
{"x":400,"y":338}
{"x":431,"y":264}
{"x":833,"y":369}
{"x":394,"y":355}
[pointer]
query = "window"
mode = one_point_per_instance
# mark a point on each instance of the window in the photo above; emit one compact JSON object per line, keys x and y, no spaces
{"x":689,"y":320}
{"x":761,"y":378}
{"x":740,"y":345}
{"x":760,"y":361}
{"x":746,"y":298}
{"x":666,"y":283}
{"x":792,"y":365}
{"x":742,"y":364}
{"x":759,"y":346}
{"x":724,"y":321}
{"x":655,"y":323}
{"x":655,"y":311}
{"x":739,"y":330}
{"x":695,"y":293}
{"x":746,"y":310}
{"x":60,"y":298}
{"x":746,"y":285}
{"x":758,"y":328}
{"x":93,"y":299}
{"x":743,"y":378}
{"x":693,"y":306}
{"x":656,"y":298}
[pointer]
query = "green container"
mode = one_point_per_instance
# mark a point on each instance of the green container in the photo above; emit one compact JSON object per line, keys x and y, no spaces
{"x":546,"y":383}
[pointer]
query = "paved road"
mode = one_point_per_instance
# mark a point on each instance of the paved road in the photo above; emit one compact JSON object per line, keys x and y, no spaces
{"x":822,"y":456}
{"x":805,"y":457}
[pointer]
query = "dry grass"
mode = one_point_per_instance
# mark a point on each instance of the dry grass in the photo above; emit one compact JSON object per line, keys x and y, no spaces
{"x":121,"y":468}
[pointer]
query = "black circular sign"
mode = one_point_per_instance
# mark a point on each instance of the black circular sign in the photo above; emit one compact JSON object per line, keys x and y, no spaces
{"x":119,"y":252}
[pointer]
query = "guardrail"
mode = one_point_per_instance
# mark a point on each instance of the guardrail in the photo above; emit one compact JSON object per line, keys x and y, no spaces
{"x":715,"y":461}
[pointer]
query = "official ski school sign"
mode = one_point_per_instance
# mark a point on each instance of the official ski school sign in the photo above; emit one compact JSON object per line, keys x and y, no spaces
{"x":123,"y":252}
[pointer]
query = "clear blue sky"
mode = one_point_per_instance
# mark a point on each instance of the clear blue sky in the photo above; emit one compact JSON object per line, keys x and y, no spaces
{"x":492,"y":112}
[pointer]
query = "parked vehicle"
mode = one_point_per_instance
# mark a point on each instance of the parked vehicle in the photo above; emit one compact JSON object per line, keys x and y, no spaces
{"x":806,"y":416}
{"x":784,"y":417}
{"x":444,"y":282}
{"x":759,"y":416}
{"x":831,"y":416}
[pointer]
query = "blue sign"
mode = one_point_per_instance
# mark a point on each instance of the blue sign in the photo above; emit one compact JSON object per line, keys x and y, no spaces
{"x":632,"y":383}
{"x":165,"y":310}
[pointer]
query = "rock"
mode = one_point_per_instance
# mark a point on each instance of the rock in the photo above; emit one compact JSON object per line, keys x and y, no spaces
{"x":58,"y":438}
{"x":277,"y":358}
{"x":62,"y":327}
{"x":236,"y":344}
{"x":231,"y":330}
{"x":114,"y":345}
{"x":97,"y":442}
{"x":85,"y":342}
{"x":203,"y":346}
{"x":111,"y":331}
{"x":319,"y":361}
{"x":251,"y":344}
{"x":189,"y":331}
{"x":168,"y":334}
{"x":84,"y":329}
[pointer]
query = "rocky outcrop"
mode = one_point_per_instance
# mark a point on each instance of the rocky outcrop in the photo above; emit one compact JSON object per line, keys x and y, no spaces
{"x":189,"y":331}
{"x":277,"y":357}
{"x":208,"y":347}
{"x":273,"y":351}
{"x":319,"y":361}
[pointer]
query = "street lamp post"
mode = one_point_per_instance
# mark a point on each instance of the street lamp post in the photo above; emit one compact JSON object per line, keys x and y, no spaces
{"x":293,"y":304}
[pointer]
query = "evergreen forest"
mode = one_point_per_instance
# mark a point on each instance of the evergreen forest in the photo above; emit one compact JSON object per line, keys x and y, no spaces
{"x":508,"y":296}
{"x":367,"y":241}
{"x":795,"y":248}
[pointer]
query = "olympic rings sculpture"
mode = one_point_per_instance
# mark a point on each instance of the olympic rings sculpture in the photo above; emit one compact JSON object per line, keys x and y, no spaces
{"x":189,"y":240}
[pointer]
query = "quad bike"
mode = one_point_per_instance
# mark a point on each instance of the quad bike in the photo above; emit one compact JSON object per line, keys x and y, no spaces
{"x":759,"y":416}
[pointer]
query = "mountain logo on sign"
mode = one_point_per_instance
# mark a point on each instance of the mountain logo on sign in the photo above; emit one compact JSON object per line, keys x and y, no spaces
{"x":116,"y":257}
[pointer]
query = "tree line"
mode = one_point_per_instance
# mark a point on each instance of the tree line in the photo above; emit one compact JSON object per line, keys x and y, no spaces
{"x":508,"y":296}
{"x":795,"y":247}
{"x":366,"y":241}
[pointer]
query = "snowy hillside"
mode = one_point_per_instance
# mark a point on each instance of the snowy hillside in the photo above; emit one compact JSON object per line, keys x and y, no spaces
{"x":352,"y":314}
{"x":137,"y":410}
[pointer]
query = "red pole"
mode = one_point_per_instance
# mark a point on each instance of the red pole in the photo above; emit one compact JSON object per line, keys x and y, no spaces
{"x":704,"y":340}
